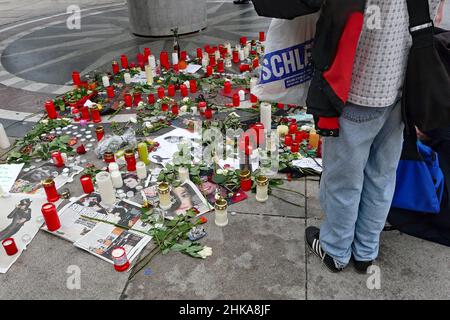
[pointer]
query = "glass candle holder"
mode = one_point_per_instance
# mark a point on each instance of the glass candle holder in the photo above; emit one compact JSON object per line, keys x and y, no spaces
{"x":246,"y":181}
{"x":262,"y":189}
{"x":85,"y":115}
{"x":124,"y":61}
{"x":57,"y":159}
{"x":236,"y":100}
{"x":87,"y":184}
{"x":183,"y":174}
{"x":164,"y":196}
{"x":51,"y":217}
{"x":141,"y":170}
{"x":113,"y":166}
{"x":10,"y":246}
{"x":51,"y":110}
{"x":99,"y":132}
{"x":221,"y":214}
{"x":128,"y":100}
{"x":171,"y":90}
{"x":193,"y":85}
{"x":161,"y":92}
{"x":130,"y":159}
{"x":109,"y":157}
{"x":115,"y":67}
{"x":95,"y":112}
{"x":105,"y":188}
{"x":116,"y":178}
{"x":50,"y":190}
{"x":227,"y":87}
{"x":120,"y":259}
{"x":143,"y":152}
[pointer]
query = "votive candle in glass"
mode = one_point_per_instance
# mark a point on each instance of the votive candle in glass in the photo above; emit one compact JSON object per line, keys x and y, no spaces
{"x":143,"y":152}
{"x":99,"y":132}
{"x":221,"y":212}
{"x":96,"y":116}
{"x":183,"y":174}
{"x":51,"y":110}
{"x":116,"y":178}
{"x":262,"y":189}
{"x":120,"y":259}
{"x":105,"y":188}
{"x":87,"y":184}
{"x":50,"y":190}
{"x":141,"y":170}
{"x":57,"y":159}
{"x":246,"y":180}
{"x":109,"y":157}
{"x":164,"y":196}
{"x":130,"y":159}
{"x":51,"y":217}
{"x":10,"y":246}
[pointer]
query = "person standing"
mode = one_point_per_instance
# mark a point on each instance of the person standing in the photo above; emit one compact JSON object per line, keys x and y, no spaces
{"x":358,"y":179}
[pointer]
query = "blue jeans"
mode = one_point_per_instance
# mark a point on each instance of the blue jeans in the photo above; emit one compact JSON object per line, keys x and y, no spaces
{"x":358,"y":181}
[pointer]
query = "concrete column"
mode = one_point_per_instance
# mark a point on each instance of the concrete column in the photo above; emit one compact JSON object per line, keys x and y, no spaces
{"x":155,"y":18}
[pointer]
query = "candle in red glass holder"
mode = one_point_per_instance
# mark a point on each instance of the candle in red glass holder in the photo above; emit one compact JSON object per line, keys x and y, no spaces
{"x":96,"y":116}
{"x":236,"y":100}
{"x":147,"y":53}
{"x":51,"y":217}
{"x":220,"y":66}
{"x":132,"y":65}
{"x":57,"y":159}
{"x":202,"y":106}
{"x":140,"y":60}
{"x":151,"y":98}
{"x":246,"y":180}
{"x":212,"y":60}
{"x":184,"y":91}
{"x":199,"y":53}
{"x":87,"y":184}
{"x":208,"y":114}
{"x":262,"y":36}
{"x":253,"y":98}
{"x":81,"y":149}
{"x":115,"y":67}
{"x":109,"y":157}
{"x":137,"y":97}
{"x":246,"y":145}
{"x":207,"y":48}
{"x":255,"y":63}
{"x":50,"y":190}
{"x":161,"y":93}
{"x":131,"y":160}
{"x":128,"y":100}
{"x":164,"y":107}
{"x":171,"y":90}
{"x":288,"y":140}
{"x":183,"y":56}
{"x":236,"y":56}
{"x":175,"y":110}
{"x":10,"y":246}
{"x":300,"y":136}
{"x":76,"y":115}
{"x":227,"y":87}
{"x":85,"y":115}
{"x":51,"y":110}
{"x":120,"y":259}
{"x":176,"y":67}
{"x":209,"y":71}
{"x":110,"y":92}
{"x":244,"y":67}
{"x":99,"y":132}
{"x":124,"y":61}
{"x":164,"y":59}
{"x":295,"y":147}
{"x":76,"y":78}
{"x":243,"y":41}
{"x":193,"y":85}
{"x":259,"y":129}
{"x":293,"y":128}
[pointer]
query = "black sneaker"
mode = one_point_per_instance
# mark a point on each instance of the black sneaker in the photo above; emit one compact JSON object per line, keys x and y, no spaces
{"x":361,"y":266}
{"x":312,"y":240}
{"x":241,"y":1}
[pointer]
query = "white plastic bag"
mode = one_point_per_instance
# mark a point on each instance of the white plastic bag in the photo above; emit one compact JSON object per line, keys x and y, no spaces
{"x":287,"y":69}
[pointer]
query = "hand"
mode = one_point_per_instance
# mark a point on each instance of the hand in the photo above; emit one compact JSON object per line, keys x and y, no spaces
{"x":440,"y":13}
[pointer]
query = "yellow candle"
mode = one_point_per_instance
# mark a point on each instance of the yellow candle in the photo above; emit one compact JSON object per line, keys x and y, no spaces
{"x":314,"y":139}
{"x":143,"y":153}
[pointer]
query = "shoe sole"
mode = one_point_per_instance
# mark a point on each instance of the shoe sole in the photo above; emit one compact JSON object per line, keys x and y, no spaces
{"x":322,"y":263}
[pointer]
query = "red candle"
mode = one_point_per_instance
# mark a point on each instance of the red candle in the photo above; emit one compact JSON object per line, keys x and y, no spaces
{"x":171,"y":90}
{"x":253,"y":98}
{"x":109,"y":157}
{"x":128,"y":100}
{"x":201,"y":106}
{"x":81,"y":149}
{"x":295,"y":147}
{"x":50,"y":190}
{"x":280,"y":106}
{"x":300,"y":136}
{"x":244,"y":67}
{"x":161,"y":93}
{"x":221,"y":66}
{"x":57,"y":159}
{"x":176,"y":67}
{"x":183,"y":56}
{"x":51,"y":110}
{"x":209,"y":71}
{"x":120,"y":259}
{"x":175,"y":110}
{"x":259,"y":129}
{"x":255,"y":63}
{"x":164,"y":107}
{"x":262,"y":36}
{"x":212,"y":60}
{"x":236,"y":100}
{"x":288,"y":140}
{"x":76,"y":115}
{"x":124,"y":61}
{"x":207,"y":48}
{"x":147,"y":53}
{"x":99,"y":132}
{"x":184,"y":91}
{"x":137,"y":97}
{"x":246,"y":180}
{"x":243,"y":41}
{"x":208,"y":114}
{"x":151,"y":98}
{"x":86,"y":183}
{"x":199,"y":53}
{"x":10,"y":246}
{"x":85,"y":115}
{"x":164,"y":60}
{"x":76,"y":78}
{"x":115,"y":67}
{"x":140,"y":60}
{"x":132,"y":65}
{"x":293,"y":128}
{"x":51,"y":217}
{"x":227,"y":87}
{"x":236,"y":56}
{"x":110,"y":92}
{"x":246,"y":145}
{"x":193,"y":85}
{"x":131,"y":160}
{"x":96,"y":116}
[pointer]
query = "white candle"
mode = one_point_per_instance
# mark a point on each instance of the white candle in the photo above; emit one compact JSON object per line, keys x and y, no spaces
{"x":205,"y":61}
{"x":149,"y":74}
{"x":253,"y":83}
{"x":105,"y":80}
{"x":266,"y":115}
{"x":217,"y":55}
{"x":105,"y":188}
{"x":4,"y":141}
{"x":164,"y":196}
{"x":194,"y":110}
{"x":2,"y":192}
{"x":241,"y":95}
{"x":228,"y":63}
{"x":241,"y":55}
{"x":141,"y":170}
{"x":187,"y":84}
{"x":127,"y":78}
{"x":174,"y":58}
{"x":246,"y":52}
{"x":113,"y":166}
{"x":221,"y":212}
{"x":116,"y":178}
{"x":228,"y":46}
{"x":262,"y":189}
{"x":152,"y":61}
{"x":183,"y":174}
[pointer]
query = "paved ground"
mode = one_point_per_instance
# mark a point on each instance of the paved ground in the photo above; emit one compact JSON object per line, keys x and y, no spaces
{"x":260,"y":254}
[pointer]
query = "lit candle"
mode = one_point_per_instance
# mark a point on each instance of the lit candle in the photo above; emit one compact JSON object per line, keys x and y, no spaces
{"x":51,"y":216}
{"x":130,"y":159}
{"x":183,"y":174}
{"x":116,"y":178}
{"x":105,"y":188}
{"x":246,"y":181}
{"x":127,"y":78}
{"x":164,"y":196}
{"x":50,"y":190}
{"x":51,"y":110}
{"x":57,"y":159}
{"x":221,"y":214}
{"x":10,"y":246}
{"x":120,"y":259}
{"x":266,"y":115}
{"x":141,"y":170}
{"x":149,"y":74}
{"x":86,"y":183}
{"x":262,"y":189}
{"x":105,"y":80}
{"x":262,"y":36}
{"x":4,"y":141}
{"x":241,"y":95}
{"x":143,"y":152}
